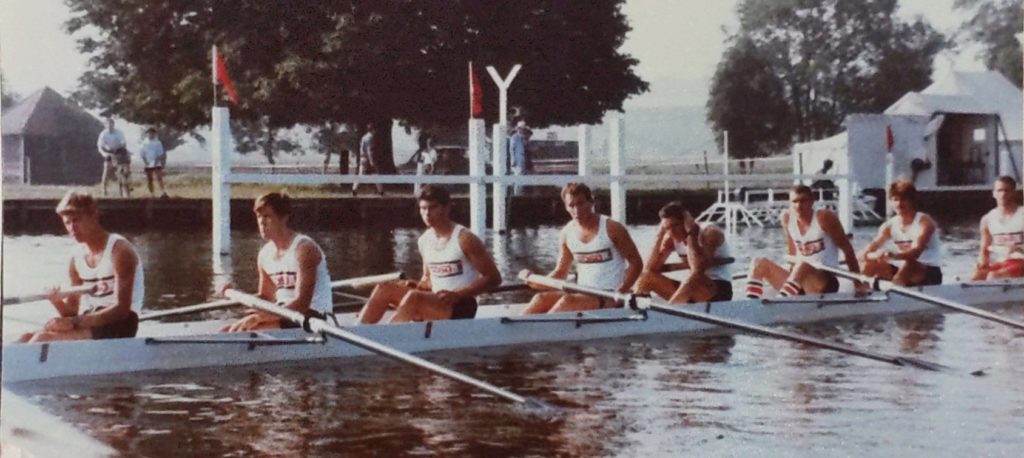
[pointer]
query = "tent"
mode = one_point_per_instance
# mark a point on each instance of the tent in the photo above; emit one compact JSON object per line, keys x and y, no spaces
{"x":48,"y":140}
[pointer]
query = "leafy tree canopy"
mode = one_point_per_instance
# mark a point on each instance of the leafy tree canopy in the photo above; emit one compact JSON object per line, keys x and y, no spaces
{"x":796,"y":68}
{"x":995,"y":24}
{"x":353,"y":61}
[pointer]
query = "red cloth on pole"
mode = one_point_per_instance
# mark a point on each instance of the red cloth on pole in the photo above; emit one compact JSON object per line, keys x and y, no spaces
{"x":889,"y":138}
{"x":476,"y":95}
{"x":220,"y":75}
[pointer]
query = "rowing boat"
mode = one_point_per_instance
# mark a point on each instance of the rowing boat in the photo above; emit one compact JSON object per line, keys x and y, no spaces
{"x":176,"y":346}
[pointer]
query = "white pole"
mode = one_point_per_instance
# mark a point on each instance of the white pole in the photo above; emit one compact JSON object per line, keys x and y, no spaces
{"x":499,"y":193}
{"x":477,"y":189}
{"x":845,"y":205}
{"x":617,"y":161}
{"x":503,"y":85}
{"x":222,"y":151}
{"x":730,"y":227}
{"x":585,"y":164}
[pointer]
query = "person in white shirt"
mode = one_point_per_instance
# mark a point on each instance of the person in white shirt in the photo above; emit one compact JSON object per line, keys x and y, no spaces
{"x":1002,"y":235}
{"x":107,"y":262}
{"x":456,"y":268}
{"x":911,"y":237}
{"x":366,"y":160}
{"x":153,"y":159}
{"x":602,"y":250}
{"x":114,"y":149}
{"x":292,"y":269}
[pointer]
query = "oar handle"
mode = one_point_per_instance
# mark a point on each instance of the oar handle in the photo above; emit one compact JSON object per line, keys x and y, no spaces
{"x":64,"y":292}
{"x":562,"y":285}
{"x":365,"y":282}
{"x":676,"y":266}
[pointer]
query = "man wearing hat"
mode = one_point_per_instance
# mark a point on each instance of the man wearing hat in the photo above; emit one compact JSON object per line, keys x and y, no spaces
{"x":110,"y":264}
{"x":517,"y":149}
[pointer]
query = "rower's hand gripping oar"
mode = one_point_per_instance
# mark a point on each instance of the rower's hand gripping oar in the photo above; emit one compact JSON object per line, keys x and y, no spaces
{"x":647,"y":303}
{"x":354,"y":283}
{"x":63,"y":292}
{"x":888,"y":286}
{"x":317,"y":325}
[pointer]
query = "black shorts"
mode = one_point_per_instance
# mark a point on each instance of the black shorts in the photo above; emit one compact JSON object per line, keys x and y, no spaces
{"x":723,"y":291}
{"x":932,"y":274}
{"x":832,"y":284}
{"x":289,"y":324}
{"x":120,"y":329}
{"x":464,"y":309}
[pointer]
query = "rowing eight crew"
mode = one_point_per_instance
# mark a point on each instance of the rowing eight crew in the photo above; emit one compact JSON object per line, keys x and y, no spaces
{"x":457,"y":267}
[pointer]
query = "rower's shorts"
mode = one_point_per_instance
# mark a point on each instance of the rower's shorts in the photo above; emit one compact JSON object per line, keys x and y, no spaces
{"x":932,"y":274}
{"x":723,"y":291}
{"x":289,"y":324}
{"x":832,"y":284}
{"x":464,"y":309}
{"x":121,"y":329}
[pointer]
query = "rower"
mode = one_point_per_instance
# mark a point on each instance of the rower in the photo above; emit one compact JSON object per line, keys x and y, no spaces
{"x":914,"y":240}
{"x":456,"y":268}
{"x":108,"y":262}
{"x":702,"y":250}
{"x":606,"y":257}
{"x":292,"y":269}
{"x":1002,"y":235}
{"x":811,"y":235}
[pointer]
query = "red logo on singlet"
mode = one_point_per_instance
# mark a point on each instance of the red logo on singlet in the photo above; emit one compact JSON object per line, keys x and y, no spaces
{"x":903,"y":244}
{"x":594,"y":257}
{"x":1010,"y":238}
{"x":811,"y":248}
{"x":445,"y":269}
{"x":284,"y":280}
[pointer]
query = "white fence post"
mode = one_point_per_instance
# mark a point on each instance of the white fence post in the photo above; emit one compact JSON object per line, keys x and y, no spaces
{"x":845,"y":205}
{"x":585,"y":164}
{"x":617,"y":161}
{"x":477,"y":189}
{"x":499,"y":192}
{"x":222,"y":150}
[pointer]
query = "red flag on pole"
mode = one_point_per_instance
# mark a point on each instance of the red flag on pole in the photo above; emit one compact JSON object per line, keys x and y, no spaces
{"x":220,"y":75}
{"x":476,"y":95}
{"x":889,"y":138}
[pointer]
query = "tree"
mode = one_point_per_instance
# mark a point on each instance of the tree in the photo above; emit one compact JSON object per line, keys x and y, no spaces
{"x":806,"y":64}
{"x":356,"y":62}
{"x":995,"y":25}
{"x":7,"y":96}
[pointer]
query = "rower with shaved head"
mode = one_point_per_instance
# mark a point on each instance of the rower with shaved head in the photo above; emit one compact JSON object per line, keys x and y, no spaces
{"x":1002,"y":235}
{"x":910,"y":237}
{"x":605,"y":256}
{"x":292,"y":268}
{"x":814,"y":235}
{"x":702,"y":250}
{"x":108,"y":262}
{"x":456,"y":268}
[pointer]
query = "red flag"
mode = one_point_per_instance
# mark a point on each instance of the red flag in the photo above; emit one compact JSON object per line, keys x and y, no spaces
{"x":889,"y":138}
{"x":220,"y":75}
{"x":476,"y":95}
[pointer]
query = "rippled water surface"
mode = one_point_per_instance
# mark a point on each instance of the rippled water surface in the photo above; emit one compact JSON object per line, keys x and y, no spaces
{"x":649,"y":396}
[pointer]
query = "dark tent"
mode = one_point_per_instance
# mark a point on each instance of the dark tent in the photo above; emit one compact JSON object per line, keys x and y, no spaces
{"x":48,"y":140}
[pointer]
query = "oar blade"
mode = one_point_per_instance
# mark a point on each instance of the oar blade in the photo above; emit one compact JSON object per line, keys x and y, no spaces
{"x":920,"y":364}
{"x":537,"y":407}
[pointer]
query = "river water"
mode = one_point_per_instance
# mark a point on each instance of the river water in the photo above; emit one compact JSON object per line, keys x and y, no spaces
{"x":643,"y":396}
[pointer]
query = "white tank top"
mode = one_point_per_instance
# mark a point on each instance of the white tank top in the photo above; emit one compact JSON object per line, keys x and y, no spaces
{"x":284,"y":272}
{"x":598,"y":263}
{"x":450,"y":269}
{"x":719,"y":272}
{"x":903,"y":239}
{"x":102,"y":276}
{"x":1006,"y":232}
{"x":814,"y":245}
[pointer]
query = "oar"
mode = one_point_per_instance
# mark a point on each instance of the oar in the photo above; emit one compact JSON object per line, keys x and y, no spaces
{"x":71,"y":291}
{"x":354,"y":283}
{"x":674,"y":266}
{"x":647,"y":303}
{"x":885,"y":285}
{"x":316,"y":325}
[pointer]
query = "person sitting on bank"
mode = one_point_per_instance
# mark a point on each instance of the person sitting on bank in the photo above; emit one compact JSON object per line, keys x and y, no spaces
{"x":292,"y":269}
{"x":702,"y":250}
{"x":911,"y":237}
{"x":456,"y":268}
{"x":1002,"y":235}
{"x":106,"y":261}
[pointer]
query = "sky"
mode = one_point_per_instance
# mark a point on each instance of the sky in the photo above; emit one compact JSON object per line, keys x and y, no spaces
{"x":678,"y":44}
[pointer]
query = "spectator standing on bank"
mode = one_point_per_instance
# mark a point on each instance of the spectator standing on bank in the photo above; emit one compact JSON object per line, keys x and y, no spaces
{"x":426,"y":158}
{"x":154,"y":158}
{"x":519,"y":154}
{"x":113,"y":147}
{"x":367,"y":166}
